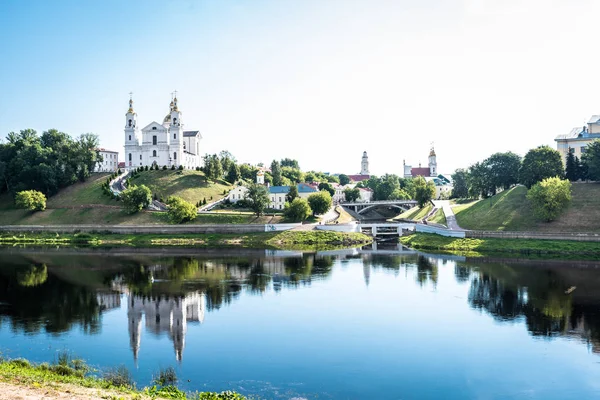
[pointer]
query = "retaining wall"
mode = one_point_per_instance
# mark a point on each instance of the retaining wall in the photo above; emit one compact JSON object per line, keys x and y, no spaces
{"x":152,"y":229}
{"x":580,"y":237}
{"x":440,"y":231}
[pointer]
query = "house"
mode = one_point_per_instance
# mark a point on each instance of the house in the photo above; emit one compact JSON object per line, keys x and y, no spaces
{"x":277,"y":194}
{"x":110,"y":161}
{"x":443,"y":186}
{"x":577,"y":140}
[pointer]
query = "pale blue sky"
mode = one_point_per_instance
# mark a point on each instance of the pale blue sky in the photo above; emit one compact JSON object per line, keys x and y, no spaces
{"x":315,"y":80}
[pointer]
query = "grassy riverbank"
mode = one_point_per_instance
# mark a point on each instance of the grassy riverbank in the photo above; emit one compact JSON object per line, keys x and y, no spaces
{"x":425,"y":241}
{"x":73,"y":379}
{"x":271,"y":240}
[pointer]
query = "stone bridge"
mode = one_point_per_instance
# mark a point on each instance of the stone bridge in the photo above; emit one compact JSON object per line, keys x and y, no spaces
{"x":361,"y":208}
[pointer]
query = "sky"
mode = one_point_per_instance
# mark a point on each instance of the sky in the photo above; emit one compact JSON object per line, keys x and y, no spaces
{"x":319,"y":81}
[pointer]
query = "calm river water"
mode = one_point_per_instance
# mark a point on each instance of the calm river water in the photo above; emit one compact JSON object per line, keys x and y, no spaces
{"x":353,"y":324}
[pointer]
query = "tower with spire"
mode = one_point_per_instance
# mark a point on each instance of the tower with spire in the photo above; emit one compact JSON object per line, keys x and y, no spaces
{"x":132,"y":139}
{"x":364,"y":165}
{"x":432,"y":162}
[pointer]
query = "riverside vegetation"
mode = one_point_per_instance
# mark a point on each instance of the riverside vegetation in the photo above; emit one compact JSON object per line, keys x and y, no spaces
{"x":67,"y":373}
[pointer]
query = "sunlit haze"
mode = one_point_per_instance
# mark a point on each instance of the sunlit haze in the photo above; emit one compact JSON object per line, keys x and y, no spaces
{"x":318,"y":81}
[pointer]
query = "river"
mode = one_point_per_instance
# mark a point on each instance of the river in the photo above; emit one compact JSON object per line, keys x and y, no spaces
{"x":348,"y":324}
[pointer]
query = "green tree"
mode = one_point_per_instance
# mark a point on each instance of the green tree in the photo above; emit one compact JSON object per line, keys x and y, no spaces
{"x":540,"y":163}
{"x":460,"y":189}
{"x":293,"y":174}
{"x":136,"y":198}
{"x":248,"y":172}
{"x":386,"y":186}
{"x":292,"y":194}
{"x":352,"y":194}
{"x":257,"y":197}
{"x":399,"y":194}
{"x":181,"y":210}
{"x":503,"y":170}
{"x":591,"y":160}
{"x":298,"y":210}
{"x":320,"y":202}
{"x":571,"y":166}
{"x":310,"y":177}
{"x":478,"y":181}
{"x":276,"y":173}
{"x":327,"y":186}
{"x":550,"y":197}
{"x":213,"y":169}
{"x":424,"y":191}
{"x":288,"y":162}
{"x":332,"y":179}
{"x":31,"y":200}
{"x":344,"y":179}
{"x":233,"y":175}
{"x":226,"y":159}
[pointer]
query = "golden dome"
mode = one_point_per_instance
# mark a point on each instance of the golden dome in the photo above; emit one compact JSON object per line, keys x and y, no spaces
{"x":167,"y":119}
{"x":432,"y":153}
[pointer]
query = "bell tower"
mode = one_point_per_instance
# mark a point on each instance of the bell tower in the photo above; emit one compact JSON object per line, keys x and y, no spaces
{"x":364,"y":165}
{"x":432,"y":162}
{"x":176,"y":134}
{"x":131,"y":133}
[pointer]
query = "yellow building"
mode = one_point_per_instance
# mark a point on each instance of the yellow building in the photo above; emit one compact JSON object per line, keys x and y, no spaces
{"x":578,"y":139}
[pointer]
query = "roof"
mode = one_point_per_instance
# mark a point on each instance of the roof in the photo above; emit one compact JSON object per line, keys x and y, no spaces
{"x":594,"y":119}
{"x":191,"y":133}
{"x":359,"y":177}
{"x":106,"y":150}
{"x":122,"y":164}
{"x":306,"y":188}
{"x":578,"y":132}
{"x":279,"y":189}
{"x":420,"y":171}
{"x":365,"y":189}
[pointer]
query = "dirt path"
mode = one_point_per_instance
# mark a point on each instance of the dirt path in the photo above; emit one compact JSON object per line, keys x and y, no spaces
{"x":11,"y":391}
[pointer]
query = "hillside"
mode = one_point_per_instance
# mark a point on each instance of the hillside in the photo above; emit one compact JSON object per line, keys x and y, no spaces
{"x":416,"y":213}
{"x":190,"y":185}
{"x":511,"y":211}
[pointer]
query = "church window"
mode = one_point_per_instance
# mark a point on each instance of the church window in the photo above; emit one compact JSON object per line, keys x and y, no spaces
{"x":130,"y":122}
{"x":174,"y":156}
{"x":129,"y":156}
{"x":153,"y":153}
{"x":153,"y":128}
{"x":184,"y":145}
{"x":154,"y":140}
{"x":129,"y":137}
{"x":140,"y":156}
{"x":174,"y":120}
{"x":174,"y":136}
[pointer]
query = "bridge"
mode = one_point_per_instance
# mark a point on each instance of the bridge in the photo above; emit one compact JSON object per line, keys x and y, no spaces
{"x":386,"y":229}
{"x":361,"y":208}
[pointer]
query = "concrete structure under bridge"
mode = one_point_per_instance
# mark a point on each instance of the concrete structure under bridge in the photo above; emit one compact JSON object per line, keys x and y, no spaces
{"x":382,"y":229}
{"x":401,"y":205}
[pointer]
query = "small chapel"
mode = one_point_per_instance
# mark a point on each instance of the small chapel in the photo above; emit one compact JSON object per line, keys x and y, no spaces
{"x":166,"y":144}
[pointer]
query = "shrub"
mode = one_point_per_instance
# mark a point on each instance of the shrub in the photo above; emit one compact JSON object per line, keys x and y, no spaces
{"x":164,"y":167}
{"x":82,"y":238}
{"x":136,"y":198}
{"x":31,"y":200}
{"x":298,"y":210}
{"x":320,"y":202}
{"x":165,"y":377}
{"x":146,"y":168}
{"x":181,"y":210}
{"x":550,"y":197}
{"x":197,"y":168}
{"x":119,"y":376}
{"x":181,"y":167}
{"x":172,"y":167}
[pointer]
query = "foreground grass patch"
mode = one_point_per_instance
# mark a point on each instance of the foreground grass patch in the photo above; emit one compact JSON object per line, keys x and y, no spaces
{"x":425,"y":241}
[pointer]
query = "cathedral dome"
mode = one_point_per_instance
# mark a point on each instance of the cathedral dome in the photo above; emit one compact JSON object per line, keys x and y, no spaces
{"x":432,"y":153}
{"x":167,"y":119}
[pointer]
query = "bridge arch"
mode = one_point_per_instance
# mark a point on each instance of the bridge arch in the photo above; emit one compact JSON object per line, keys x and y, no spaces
{"x":372,"y":206}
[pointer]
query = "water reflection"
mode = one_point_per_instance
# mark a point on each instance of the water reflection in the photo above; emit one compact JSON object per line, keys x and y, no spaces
{"x":54,"y":292}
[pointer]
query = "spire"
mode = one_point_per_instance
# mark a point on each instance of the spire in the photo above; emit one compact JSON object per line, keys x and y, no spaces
{"x":130,"y":111}
{"x":432,"y":151}
{"x":174,"y":102}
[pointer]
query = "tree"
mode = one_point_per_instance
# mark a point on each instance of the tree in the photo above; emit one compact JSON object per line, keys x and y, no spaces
{"x":460,"y":189}
{"x":478,"y":181}
{"x":327,"y":186}
{"x":503,"y":170}
{"x":31,"y":200}
{"x":298,"y":210}
{"x":591,"y":160}
{"x":181,"y":210}
{"x":344,"y":179}
{"x":424,"y":191}
{"x":399,"y":194}
{"x":136,"y":198}
{"x":386,"y":186}
{"x":310,"y":177}
{"x":320,"y":202}
{"x":292,"y":194}
{"x":540,"y":163}
{"x":288,"y":162}
{"x":332,"y":179}
{"x":276,"y":173}
{"x":213,"y":169}
{"x":293,"y":174}
{"x":233,"y":175}
{"x":571,"y":166}
{"x":550,"y":197}
{"x":226,"y":159}
{"x":248,"y":172}
{"x":352,"y":194}
{"x":258,"y":198}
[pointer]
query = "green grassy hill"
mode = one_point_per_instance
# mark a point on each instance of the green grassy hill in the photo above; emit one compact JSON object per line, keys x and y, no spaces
{"x":511,"y":211}
{"x":190,"y":185}
{"x":416,"y":213}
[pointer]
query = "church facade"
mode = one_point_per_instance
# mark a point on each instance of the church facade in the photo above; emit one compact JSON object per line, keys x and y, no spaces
{"x":166,"y":144}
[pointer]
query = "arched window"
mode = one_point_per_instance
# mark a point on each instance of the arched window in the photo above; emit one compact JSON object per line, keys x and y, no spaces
{"x":130,"y":122}
{"x":129,"y":137}
{"x":153,"y":128}
{"x":184,"y":145}
{"x":129,"y":156}
{"x":153,"y":153}
{"x":174,"y":136}
{"x":140,"y":156}
{"x":174,"y":120}
{"x":174,"y":156}
{"x":154,"y":140}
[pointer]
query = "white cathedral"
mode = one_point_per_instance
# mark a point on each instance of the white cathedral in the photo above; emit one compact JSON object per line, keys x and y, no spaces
{"x":161,"y":144}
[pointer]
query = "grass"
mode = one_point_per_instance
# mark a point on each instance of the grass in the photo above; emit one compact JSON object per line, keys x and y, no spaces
{"x":190,"y":185}
{"x":276,"y":240}
{"x":511,"y":211}
{"x":427,"y":241}
{"x":345,"y":217}
{"x":439,"y":217}
{"x":416,"y":213}
{"x":68,"y":381}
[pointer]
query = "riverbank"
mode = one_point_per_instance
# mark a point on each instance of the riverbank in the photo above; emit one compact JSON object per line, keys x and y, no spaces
{"x":427,"y":241}
{"x":270,"y":240}
{"x":71,"y":379}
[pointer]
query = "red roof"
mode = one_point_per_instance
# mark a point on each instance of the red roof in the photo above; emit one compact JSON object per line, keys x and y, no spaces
{"x":420,"y":172}
{"x":358,"y":178}
{"x":122,"y":164}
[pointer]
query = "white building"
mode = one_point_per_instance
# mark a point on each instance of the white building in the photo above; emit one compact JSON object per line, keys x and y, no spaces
{"x":168,"y":315}
{"x":161,"y":144}
{"x":430,"y":170}
{"x":110,"y":161}
{"x":277,"y":194}
{"x":364,"y":165}
{"x":577,"y":140}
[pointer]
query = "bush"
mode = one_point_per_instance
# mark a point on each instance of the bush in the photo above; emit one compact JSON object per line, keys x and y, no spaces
{"x":31,"y":200}
{"x":550,"y":197}
{"x":146,"y":168}
{"x":136,"y":198}
{"x":197,"y":168}
{"x":181,"y":210}
{"x":164,"y":167}
{"x":119,"y":376}
{"x":320,"y":202}
{"x":172,"y":167}
{"x":165,"y":377}
{"x":181,"y":167}
{"x":298,"y":210}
